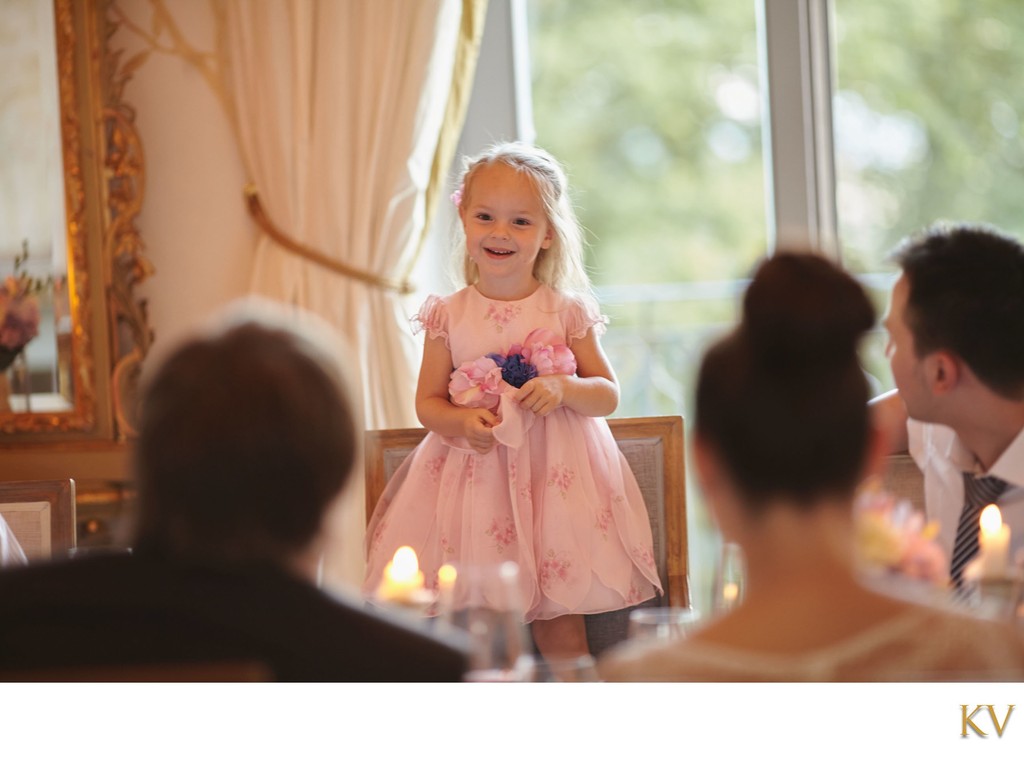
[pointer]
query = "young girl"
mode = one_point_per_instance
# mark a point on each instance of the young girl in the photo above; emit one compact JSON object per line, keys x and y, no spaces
{"x":519,"y":463}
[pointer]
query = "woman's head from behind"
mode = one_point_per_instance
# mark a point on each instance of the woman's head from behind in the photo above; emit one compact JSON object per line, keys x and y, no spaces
{"x":560,"y":260}
{"x":782,"y":400}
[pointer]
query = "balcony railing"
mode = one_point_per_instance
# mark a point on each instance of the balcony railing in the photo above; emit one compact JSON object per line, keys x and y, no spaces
{"x":656,"y":357}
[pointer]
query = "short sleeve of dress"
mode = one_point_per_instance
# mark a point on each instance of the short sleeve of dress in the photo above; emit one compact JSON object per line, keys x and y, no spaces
{"x":432,"y":317}
{"x":583,"y":314}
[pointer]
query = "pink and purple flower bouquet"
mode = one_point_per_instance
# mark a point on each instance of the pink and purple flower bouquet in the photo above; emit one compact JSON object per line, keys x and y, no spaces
{"x":481,"y":382}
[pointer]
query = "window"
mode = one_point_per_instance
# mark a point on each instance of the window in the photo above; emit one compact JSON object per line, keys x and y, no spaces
{"x":926,"y":113}
{"x":927,"y":116}
{"x":654,"y":107}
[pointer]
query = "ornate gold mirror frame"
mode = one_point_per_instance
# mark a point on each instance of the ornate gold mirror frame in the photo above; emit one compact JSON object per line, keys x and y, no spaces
{"x":103,"y":182}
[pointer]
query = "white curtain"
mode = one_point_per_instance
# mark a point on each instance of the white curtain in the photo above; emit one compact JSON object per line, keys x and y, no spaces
{"x":339,"y":107}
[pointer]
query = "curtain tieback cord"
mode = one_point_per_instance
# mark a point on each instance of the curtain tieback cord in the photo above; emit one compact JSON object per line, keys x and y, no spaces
{"x":259,"y":215}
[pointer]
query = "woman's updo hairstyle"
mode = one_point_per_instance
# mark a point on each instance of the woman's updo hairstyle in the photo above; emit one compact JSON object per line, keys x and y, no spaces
{"x":782,"y":399}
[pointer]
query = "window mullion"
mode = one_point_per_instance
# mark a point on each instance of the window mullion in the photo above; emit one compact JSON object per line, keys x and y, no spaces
{"x":797,"y":90}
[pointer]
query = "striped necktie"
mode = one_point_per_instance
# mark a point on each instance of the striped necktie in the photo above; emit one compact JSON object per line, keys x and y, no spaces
{"x":979,"y":492}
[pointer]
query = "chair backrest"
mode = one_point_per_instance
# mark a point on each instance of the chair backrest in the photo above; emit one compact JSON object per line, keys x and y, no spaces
{"x":904,"y":480}
{"x":41,"y":514}
{"x":653,"y":446}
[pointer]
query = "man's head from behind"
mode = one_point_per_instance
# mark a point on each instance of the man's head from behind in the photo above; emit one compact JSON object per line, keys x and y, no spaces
{"x":962,"y":292}
{"x":246,"y":439}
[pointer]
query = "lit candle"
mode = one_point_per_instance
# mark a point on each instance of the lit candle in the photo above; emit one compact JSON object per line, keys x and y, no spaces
{"x":446,"y":576}
{"x":730,"y":593}
{"x":402,"y":582}
{"x":994,"y":541}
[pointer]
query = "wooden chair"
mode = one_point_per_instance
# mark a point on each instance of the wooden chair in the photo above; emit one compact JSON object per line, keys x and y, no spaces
{"x":904,"y":480}
{"x":653,"y":447}
{"x":41,"y":514}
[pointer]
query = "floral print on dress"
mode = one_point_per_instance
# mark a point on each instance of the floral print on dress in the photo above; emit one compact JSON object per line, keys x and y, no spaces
{"x":446,"y":546}
{"x":382,"y":526}
{"x":503,"y":533}
{"x":433,"y":467}
{"x":603,"y":522}
{"x":636,"y":595}
{"x":554,"y":568}
{"x":606,"y":517}
{"x":643,"y":555}
{"x":501,"y":316}
{"x":561,"y":477}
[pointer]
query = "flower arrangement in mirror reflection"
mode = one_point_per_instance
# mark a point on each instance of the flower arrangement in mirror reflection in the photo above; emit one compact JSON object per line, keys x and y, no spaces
{"x":19,"y":310}
{"x":892,"y":536}
{"x":481,"y":382}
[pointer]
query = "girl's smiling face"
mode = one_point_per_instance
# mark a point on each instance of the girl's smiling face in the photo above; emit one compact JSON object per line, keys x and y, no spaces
{"x":506,"y":227}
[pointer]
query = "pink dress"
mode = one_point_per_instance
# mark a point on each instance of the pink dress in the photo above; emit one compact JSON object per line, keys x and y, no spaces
{"x":555,"y":495}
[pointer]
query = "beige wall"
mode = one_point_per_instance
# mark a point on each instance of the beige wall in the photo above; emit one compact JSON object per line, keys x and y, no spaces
{"x":193,"y":221}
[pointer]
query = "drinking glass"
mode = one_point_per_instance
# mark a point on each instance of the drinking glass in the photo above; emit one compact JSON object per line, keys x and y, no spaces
{"x":661,"y":623}
{"x":730,"y":578}
{"x":487,"y":604}
{"x":582,"y":669}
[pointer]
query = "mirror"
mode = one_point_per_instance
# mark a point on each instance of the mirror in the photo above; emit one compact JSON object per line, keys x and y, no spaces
{"x":72,"y":335}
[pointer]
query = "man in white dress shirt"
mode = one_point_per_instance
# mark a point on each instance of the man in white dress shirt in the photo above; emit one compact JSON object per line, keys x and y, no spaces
{"x":956,"y":348}
{"x":10,"y":550}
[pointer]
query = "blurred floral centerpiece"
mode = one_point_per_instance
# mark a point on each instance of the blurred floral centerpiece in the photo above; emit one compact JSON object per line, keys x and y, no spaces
{"x":19,"y":310}
{"x":893,"y":537}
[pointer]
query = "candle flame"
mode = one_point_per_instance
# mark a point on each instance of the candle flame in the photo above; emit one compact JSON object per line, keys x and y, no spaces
{"x":730,"y":591}
{"x":404,"y":565}
{"x":991,"y":520}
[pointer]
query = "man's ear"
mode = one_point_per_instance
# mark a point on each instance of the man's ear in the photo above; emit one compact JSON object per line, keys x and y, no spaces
{"x":942,"y":372}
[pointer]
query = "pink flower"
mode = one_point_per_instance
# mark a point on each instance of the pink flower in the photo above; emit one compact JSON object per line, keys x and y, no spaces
{"x":545,"y":351}
{"x":456,"y":197}
{"x":477,"y":384}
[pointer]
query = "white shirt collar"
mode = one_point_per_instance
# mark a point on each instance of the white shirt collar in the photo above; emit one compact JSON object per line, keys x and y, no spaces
{"x":1010,"y":465}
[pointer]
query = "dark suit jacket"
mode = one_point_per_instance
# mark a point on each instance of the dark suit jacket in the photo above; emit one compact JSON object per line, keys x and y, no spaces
{"x":116,"y":610}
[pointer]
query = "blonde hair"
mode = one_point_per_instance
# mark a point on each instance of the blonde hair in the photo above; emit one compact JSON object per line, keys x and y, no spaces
{"x":561,"y":264}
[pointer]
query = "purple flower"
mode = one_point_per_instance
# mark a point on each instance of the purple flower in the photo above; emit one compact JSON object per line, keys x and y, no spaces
{"x":515,"y":370}
{"x":19,"y":315}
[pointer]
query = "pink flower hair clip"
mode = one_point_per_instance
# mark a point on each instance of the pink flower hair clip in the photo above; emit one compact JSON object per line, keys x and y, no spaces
{"x":457,"y":196}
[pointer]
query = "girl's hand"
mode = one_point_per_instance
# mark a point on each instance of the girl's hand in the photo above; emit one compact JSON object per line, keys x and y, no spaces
{"x":477,"y":429}
{"x":543,"y":394}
